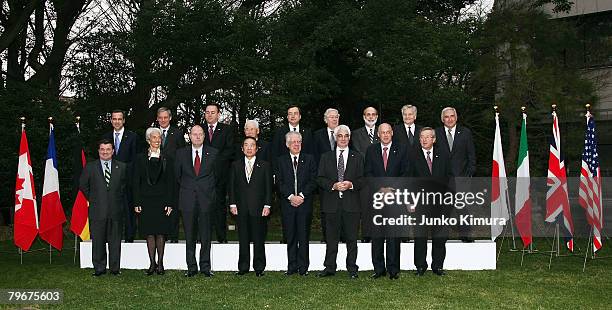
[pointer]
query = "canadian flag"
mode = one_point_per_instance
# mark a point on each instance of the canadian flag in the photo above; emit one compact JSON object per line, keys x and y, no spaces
{"x":26,"y":217}
{"x":52,"y":216}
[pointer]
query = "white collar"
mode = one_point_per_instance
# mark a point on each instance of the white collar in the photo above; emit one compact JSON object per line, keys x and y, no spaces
{"x":120,"y":132}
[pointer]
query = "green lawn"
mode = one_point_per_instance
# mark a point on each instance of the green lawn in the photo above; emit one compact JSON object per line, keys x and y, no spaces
{"x":511,"y":286}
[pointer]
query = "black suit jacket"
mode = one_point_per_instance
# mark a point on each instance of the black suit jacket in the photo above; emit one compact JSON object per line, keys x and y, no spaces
{"x":174,"y":141}
{"x":463,"y":155}
{"x":441,"y":166}
{"x":105,"y":203}
{"x":128,"y":147}
{"x":192,"y":187}
{"x":306,"y":177}
{"x":397,"y":161}
{"x":328,"y":175}
{"x":279,"y":147}
{"x":401,"y":136}
{"x":223,"y":141}
{"x":321,"y":143}
{"x":250,"y":196}
{"x":360,"y":141}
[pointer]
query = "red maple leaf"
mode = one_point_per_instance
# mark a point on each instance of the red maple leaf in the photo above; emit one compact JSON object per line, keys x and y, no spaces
{"x":18,"y":186}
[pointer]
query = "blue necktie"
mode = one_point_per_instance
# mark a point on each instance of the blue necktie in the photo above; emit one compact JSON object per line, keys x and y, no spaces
{"x":117,"y":143}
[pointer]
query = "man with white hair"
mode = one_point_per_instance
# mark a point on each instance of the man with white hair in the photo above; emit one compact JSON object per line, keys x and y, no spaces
{"x":407,"y":133}
{"x":339,"y":179}
{"x":324,"y":140}
{"x":365,"y":136}
{"x":251,"y":129}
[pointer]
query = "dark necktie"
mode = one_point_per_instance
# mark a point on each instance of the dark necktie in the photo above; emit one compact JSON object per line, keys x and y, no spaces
{"x":295,"y":163}
{"x":429,"y":163}
{"x":371,"y":135}
{"x":164,"y":136}
{"x":385,"y":157}
{"x":211,"y":131}
{"x":341,"y":166}
{"x":197,"y":164}
{"x":410,"y":136}
{"x":332,"y":141}
{"x":449,"y":137}
{"x":295,"y":180}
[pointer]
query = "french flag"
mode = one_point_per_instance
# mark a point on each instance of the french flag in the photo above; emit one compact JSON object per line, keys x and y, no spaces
{"x":52,"y":215}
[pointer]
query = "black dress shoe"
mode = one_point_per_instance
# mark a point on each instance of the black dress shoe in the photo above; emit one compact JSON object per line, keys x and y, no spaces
{"x":290,"y":273}
{"x":439,"y":272}
{"x":303,"y":273}
{"x":466,"y":239}
{"x":240,"y":273}
{"x":98,"y":273}
{"x":207,"y":274}
{"x":259,"y":274}
{"x":190,"y":274}
{"x":420,"y":272}
{"x":377,"y":275}
{"x":324,"y":274}
{"x":151,"y":269}
{"x":354,"y":275}
{"x":160,"y":270}
{"x":394,"y":276}
{"x":115,"y":273}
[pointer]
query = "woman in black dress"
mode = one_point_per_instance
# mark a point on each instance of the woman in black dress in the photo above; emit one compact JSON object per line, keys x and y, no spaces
{"x":154,"y":192}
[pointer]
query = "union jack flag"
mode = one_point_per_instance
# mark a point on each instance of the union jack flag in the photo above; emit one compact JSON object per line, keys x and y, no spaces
{"x":557,"y":198}
{"x":589,"y":194}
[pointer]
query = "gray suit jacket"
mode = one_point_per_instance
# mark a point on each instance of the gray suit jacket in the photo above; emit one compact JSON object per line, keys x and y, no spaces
{"x":360,"y":141}
{"x":105,"y":202}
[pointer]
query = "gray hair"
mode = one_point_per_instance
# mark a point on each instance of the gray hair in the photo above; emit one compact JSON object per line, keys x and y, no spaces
{"x":290,"y":134}
{"x":409,"y":106}
{"x":329,"y":111}
{"x":433,"y":131}
{"x":341,"y":128}
{"x":164,"y":109}
{"x":448,"y":109}
{"x":150,"y":131}
{"x":252,"y":122}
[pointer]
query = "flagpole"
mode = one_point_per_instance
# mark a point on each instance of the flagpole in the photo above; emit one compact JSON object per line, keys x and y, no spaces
{"x":23,"y":119}
{"x":75,"y":249}
{"x":77,"y":122}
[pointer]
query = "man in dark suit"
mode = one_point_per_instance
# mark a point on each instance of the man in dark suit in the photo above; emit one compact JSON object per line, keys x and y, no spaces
{"x":386,"y":160}
{"x":195,"y":173}
{"x":407,"y":133}
{"x":431,"y":170}
{"x":457,"y":142}
{"x":251,"y":129}
{"x":296,"y":175}
{"x":363,"y":137}
{"x":172,"y":140}
{"x":339,"y":180}
{"x":221,"y":137}
{"x":278,"y":141}
{"x":125,"y":146}
{"x":103,"y":182}
{"x":250,"y":197}
{"x":324,"y":140}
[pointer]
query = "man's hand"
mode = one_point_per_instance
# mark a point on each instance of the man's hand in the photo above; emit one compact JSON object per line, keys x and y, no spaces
{"x":265,"y":212}
{"x":234,"y":210}
{"x":138,"y":209}
{"x":296,"y":201}
{"x":168,"y":210}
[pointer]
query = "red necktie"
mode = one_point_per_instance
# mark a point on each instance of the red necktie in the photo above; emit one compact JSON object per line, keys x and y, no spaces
{"x":197,"y":164}
{"x":429,"y":163}
{"x":385,"y":157}
{"x":210,"y":133}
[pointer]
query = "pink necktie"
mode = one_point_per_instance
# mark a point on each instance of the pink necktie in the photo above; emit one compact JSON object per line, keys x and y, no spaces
{"x":385,"y":157}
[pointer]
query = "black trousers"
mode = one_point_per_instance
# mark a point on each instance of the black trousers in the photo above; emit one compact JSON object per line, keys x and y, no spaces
{"x":251,"y":228}
{"x":130,"y":222}
{"x":296,"y":225}
{"x":103,"y":232}
{"x":393,"y":255}
{"x":197,"y":223}
{"x":174,"y":225}
{"x":346,"y":223}
{"x":439,"y":235}
{"x":219,"y":211}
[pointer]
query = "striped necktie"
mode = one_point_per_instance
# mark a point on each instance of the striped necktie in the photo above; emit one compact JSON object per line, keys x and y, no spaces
{"x":107,"y":174}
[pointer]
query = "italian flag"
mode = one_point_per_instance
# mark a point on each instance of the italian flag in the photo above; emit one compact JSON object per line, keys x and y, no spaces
{"x":522,"y":197}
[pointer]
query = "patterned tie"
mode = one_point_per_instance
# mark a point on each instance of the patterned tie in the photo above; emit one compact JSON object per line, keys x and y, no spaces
{"x":164,"y":136}
{"x":107,"y":174}
{"x":385,"y":157}
{"x":341,"y":166}
{"x":371,"y":135}
{"x":332,"y":141}
{"x":249,"y":170}
{"x":429,"y":163}
{"x":117,"y":143}
{"x":210,"y":133}
{"x":197,"y":164}
{"x":449,"y":137}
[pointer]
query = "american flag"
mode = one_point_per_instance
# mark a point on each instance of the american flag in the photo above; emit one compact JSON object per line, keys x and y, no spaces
{"x":557,"y":198}
{"x":590,"y":183}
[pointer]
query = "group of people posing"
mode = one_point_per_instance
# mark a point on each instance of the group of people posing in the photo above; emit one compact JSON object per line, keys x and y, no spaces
{"x":212,"y":173}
